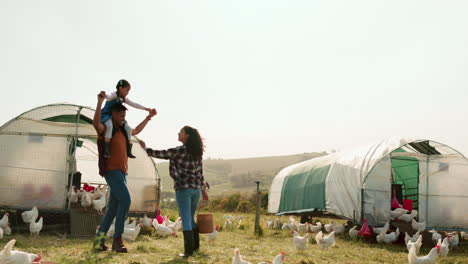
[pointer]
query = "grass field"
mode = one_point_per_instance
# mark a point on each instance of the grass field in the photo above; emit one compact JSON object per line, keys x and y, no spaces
{"x":150,"y":249}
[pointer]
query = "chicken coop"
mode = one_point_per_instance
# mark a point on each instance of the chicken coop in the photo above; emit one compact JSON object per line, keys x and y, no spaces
{"x":49,"y":149}
{"x":360,"y":184}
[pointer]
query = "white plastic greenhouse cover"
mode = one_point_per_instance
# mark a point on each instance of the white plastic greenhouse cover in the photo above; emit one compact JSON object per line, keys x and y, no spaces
{"x":35,"y":161}
{"x":368,"y":167}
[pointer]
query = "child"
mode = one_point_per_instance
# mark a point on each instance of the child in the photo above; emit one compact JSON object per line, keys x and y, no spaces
{"x":119,"y":96}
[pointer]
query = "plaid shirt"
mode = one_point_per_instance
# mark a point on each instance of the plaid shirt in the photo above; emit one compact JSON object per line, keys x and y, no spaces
{"x":183,"y":169}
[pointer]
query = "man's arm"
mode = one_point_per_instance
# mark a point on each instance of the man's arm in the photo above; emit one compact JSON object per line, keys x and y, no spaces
{"x":143,"y":123}
{"x":100,"y":128}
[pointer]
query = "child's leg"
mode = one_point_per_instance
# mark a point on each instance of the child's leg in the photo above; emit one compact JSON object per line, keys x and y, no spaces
{"x":128,"y":130}
{"x":108,"y":137}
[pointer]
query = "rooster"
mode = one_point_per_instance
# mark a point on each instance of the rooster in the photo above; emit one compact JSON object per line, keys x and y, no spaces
{"x":444,"y":246}
{"x":428,"y":259}
{"x":277,"y":260}
{"x":34,"y":227}
{"x":212,"y":236}
{"x":417,"y":244}
{"x":300,"y":241}
{"x":4,"y":221}
{"x":388,"y":238}
{"x":418,"y":226}
{"x":325,"y":241}
{"x":237,"y":258}
{"x":30,"y":216}
{"x":353,"y":233}
{"x":8,"y":255}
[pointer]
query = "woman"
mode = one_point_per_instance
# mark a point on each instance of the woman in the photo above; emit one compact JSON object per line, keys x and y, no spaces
{"x":186,"y":169}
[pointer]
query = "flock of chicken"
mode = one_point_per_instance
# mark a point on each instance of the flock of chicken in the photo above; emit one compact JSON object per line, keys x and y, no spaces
{"x":413,"y":243}
{"x":8,"y":255}
{"x":97,"y":197}
{"x":163,"y":226}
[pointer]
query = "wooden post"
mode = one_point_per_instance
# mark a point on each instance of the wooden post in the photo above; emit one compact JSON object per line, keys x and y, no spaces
{"x":257,"y":210}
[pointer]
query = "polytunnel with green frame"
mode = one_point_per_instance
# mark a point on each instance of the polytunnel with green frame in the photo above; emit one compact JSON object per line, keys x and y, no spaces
{"x":42,"y":149}
{"x":360,"y":183}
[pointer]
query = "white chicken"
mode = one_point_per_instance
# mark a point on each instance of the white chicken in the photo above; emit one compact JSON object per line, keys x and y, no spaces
{"x":353,"y":232}
{"x":302,"y":228}
{"x":10,"y":256}
{"x":111,"y":231}
{"x":4,"y":221}
{"x":277,"y":260}
{"x":97,"y":194}
{"x":213,"y":235}
{"x":325,"y":241}
{"x":100,"y":204}
{"x":162,"y":230}
{"x":315,"y":228}
{"x":228,"y":224}
{"x":379,"y":230}
{"x":269,"y":223}
{"x":428,"y":259}
{"x":397,"y":213}
{"x":131,"y":234}
{"x":276,"y":223}
{"x":86,"y":199}
{"x":338,"y":228}
{"x":285,"y":226}
{"x":133,"y":224}
{"x":31,"y":215}
{"x":417,"y":244}
{"x":418,"y":226}
{"x":388,"y":238}
{"x":34,"y":227}
{"x":412,"y":239}
{"x":237,"y":258}
{"x":177,"y":225}
{"x":7,"y":230}
{"x":300,"y":241}
{"x":146,"y":221}
{"x":1,"y":233}
{"x":444,"y":247}
{"x":454,"y":240}
{"x":72,"y":196}
{"x":329,"y":227}
{"x":435,"y":236}
{"x":408,"y":217}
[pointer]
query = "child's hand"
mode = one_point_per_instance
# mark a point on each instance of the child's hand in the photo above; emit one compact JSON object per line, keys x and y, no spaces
{"x":101,"y":96}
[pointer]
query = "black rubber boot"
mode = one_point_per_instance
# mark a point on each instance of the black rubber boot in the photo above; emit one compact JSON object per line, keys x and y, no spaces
{"x":118,"y":245}
{"x":188,"y":244}
{"x":107,"y":153}
{"x":100,"y":242}
{"x":129,"y":150}
{"x":196,"y":239}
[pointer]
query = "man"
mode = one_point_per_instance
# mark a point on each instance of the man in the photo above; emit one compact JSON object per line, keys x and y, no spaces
{"x":116,"y":172}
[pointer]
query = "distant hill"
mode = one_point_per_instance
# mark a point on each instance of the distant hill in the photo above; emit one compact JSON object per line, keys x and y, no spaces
{"x":237,"y":175}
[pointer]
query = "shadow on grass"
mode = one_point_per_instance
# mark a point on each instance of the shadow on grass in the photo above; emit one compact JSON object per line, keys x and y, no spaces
{"x":176,"y":261}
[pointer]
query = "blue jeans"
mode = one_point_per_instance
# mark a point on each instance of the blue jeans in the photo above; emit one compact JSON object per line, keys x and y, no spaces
{"x":187,"y":201}
{"x":118,"y":204}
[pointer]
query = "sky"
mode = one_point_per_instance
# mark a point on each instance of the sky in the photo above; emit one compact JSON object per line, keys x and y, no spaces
{"x":256,"y":78}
